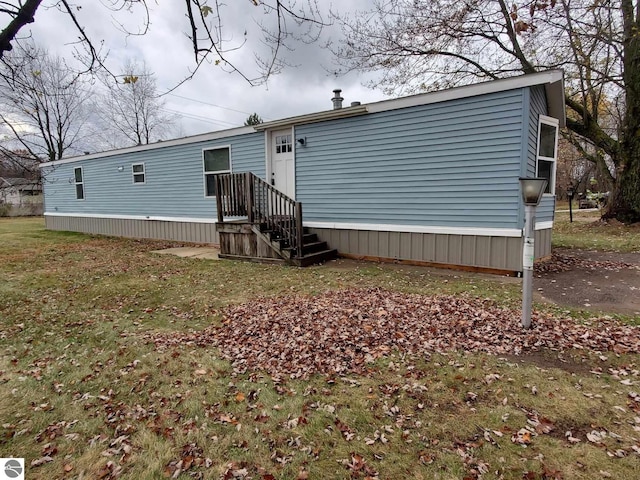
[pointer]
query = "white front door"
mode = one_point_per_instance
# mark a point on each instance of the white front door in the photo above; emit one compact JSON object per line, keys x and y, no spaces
{"x":283,"y":173}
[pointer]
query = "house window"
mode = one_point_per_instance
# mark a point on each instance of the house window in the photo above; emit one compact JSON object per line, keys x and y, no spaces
{"x":216,"y":160}
{"x":283,"y":143}
{"x":79,"y":181}
{"x":547,"y":152}
{"x":137,"y":169}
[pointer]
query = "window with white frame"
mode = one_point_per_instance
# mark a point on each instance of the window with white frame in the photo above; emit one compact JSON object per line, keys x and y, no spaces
{"x":137,"y":170}
{"x":547,"y":152}
{"x":79,"y":181}
{"x":215,"y":161}
{"x":283,"y":144}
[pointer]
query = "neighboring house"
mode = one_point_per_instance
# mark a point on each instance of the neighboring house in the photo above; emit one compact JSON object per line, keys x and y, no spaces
{"x":20,"y":196}
{"x":429,"y":178}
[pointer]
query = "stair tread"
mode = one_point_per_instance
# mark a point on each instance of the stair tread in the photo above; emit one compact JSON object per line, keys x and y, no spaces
{"x":317,"y":257}
{"x":320,"y":252}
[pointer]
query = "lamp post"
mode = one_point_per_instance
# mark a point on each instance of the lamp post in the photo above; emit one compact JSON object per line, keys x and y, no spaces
{"x":570,"y":196}
{"x":532,"y":190}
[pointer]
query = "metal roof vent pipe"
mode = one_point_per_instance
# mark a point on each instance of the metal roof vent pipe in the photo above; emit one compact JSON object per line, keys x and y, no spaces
{"x":337,"y":99}
{"x":355,"y":104}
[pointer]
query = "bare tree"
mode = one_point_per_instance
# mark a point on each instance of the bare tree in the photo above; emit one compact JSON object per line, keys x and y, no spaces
{"x":204,"y":25}
{"x":43,"y":109}
{"x":131,"y":111}
{"x":428,"y":44}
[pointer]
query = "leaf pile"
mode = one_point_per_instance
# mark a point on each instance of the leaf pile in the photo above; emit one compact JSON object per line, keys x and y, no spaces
{"x":342,"y":331}
{"x":563,"y":262}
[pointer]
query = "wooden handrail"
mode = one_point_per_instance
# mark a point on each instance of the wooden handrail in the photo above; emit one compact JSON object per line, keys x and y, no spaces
{"x":247,"y":195}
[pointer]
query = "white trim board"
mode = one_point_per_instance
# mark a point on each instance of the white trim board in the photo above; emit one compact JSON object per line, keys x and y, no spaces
{"x":483,"y":232}
{"x":544,"y":225}
{"x":131,"y":217}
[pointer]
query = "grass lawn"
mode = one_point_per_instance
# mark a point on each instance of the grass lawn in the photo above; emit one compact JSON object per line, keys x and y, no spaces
{"x":85,"y":394}
{"x":589,"y":233}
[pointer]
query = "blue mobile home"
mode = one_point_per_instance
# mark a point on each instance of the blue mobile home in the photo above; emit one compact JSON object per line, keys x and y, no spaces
{"x":429,"y":178}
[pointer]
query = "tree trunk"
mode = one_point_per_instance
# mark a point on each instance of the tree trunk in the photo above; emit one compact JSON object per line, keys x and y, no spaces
{"x":625,"y":204}
{"x":626,"y":196}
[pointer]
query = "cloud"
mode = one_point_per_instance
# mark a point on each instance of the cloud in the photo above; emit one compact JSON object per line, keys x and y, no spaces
{"x":306,"y":86}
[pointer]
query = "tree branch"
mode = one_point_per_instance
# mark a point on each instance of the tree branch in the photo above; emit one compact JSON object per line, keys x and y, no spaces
{"x":24,"y":15}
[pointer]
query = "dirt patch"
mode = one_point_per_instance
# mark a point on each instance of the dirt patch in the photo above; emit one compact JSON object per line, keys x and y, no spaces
{"x":599,"y":281}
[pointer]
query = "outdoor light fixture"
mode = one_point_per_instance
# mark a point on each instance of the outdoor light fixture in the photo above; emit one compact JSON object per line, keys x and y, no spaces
{"x":120,"y":168}
{"x":302,"y":141}
{"x":532,"y":190}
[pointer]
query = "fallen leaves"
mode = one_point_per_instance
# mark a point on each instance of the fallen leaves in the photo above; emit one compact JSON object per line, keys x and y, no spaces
{"x":521,"y":437}
{"x":359,"y":468}
{"x":344,"y":429}
{"x":341,"y":332}
{"x":41,"y":461}
{"x":191,"y":457}
{"x":596,"y":437}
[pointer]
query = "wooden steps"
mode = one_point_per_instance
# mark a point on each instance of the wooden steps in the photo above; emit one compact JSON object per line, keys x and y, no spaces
{"x":314,"y":251}
{"x":273,"y":230}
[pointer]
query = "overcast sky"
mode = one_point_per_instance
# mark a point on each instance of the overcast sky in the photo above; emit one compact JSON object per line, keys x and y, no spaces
{"x":214,"y":99}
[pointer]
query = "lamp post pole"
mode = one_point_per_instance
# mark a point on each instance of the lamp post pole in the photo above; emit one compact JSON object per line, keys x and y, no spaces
{"x":532,"y":190}
{"x":528,"y":255}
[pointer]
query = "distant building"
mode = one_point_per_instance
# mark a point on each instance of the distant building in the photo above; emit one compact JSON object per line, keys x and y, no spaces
{"x":20,"y":196}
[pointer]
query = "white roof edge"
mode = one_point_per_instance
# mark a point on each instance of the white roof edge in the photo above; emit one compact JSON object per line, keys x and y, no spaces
{"x":203,"y":137}
{"x":314,"y":117}
{"x":553,"y":81}
{"x":551,"y":78}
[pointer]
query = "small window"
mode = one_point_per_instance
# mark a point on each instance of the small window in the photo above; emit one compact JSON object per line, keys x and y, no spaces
{"x":137,"y":169}
{"x":283,"y":143}
{"x":79,"y":181}
{"x":547,"y":152}
{"x":214,"y":161}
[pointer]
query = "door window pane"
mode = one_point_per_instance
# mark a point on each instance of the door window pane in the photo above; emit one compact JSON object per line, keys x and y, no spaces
{"x":283,"y":144}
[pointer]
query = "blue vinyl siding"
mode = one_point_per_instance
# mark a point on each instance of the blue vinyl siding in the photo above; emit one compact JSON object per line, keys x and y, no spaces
{"x":538,"y":107}
{"x":454,"y":163}
{"x":545,"y":211}
{"x":174,"y":182}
